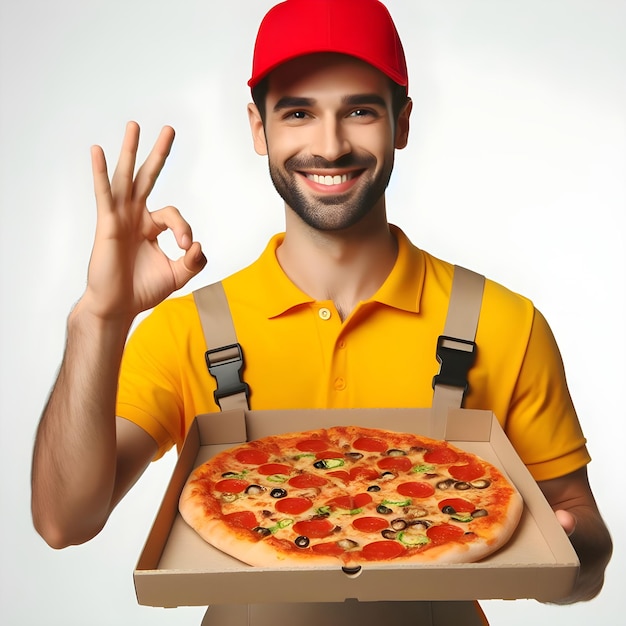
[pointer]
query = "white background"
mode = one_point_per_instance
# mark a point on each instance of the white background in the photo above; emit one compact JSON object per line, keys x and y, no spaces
{"x":516,"y":168}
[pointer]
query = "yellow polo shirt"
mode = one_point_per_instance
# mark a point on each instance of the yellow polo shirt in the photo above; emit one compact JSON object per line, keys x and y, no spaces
{"x":299,"y":354}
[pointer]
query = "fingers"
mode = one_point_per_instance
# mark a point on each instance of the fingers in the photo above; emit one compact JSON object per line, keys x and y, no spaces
{"x":122,"y":181}
{"x":169,"y":218}
{"x":187,"y":266}
{"x":151,"y":168}
{"x":125,"y":186}
{"x":102,"y":188}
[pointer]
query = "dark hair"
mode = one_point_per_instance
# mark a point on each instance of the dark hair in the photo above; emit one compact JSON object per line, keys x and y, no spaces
{"x":399,"y":97}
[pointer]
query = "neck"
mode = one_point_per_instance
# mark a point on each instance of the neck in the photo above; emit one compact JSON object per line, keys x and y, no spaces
{"x":345,"y":266}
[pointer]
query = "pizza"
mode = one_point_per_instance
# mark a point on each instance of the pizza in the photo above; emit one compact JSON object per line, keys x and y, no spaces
{"x":349,"y":496}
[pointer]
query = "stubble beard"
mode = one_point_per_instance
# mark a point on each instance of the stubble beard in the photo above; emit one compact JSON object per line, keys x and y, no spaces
{"x":330,"y":212}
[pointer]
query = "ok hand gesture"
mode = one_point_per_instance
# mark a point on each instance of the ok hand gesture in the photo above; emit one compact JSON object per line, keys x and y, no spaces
{"x":128,"y":271}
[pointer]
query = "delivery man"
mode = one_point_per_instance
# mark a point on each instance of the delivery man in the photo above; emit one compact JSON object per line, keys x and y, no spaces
{"x":329,"y":84}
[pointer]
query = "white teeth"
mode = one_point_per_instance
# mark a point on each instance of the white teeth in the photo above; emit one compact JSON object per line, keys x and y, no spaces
{"x":328,"y":180}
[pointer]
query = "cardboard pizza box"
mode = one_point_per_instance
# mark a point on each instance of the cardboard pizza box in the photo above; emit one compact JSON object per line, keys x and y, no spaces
{"x":178,"y":568}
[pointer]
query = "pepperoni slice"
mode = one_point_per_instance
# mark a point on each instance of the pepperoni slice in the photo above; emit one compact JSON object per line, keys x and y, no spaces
{"x":396,"y":463}
{"x":362,"y":499}
{"x":329,"y":454}
{"x":306,"y":481}
{"x":268,"y":469}
{"x":468,"y":472}
{"x":350,"y":502}
{"x":252,"y":456}
{"x":370,"y":524}
{"x":444,"y":533}
{"x":369,"y":444}
{"x":342,"y":502}
{"x":293,"y":506}
{"x":241,"y":519}
{"x":441,"y":455}
{"x":312,"y":445}
{"x":329,"y":549}
{"x":382,"y":550}
{"x":363,"y":472}
{"x":458,"y":504}
{"x":314,"y":528}
{"x":341,"y":474}
{"x":416,"y":489}
{"x":231,"y":485}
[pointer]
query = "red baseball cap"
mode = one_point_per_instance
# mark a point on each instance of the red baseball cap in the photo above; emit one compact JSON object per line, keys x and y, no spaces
{"x":359,"y":28}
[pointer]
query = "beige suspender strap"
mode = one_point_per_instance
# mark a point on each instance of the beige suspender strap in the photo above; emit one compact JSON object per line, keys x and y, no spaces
{"x":456,"y":349}
{"x":224,"y":356}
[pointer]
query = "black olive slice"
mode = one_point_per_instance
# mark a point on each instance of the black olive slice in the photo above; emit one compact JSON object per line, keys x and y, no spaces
{"x":398,"y":524}
{"x":353,"y":456}
{"x":482,"y":483}
{"x":422,"y":523}
{"x":462,"y":486}
{"x":445,"y":484}
{"x":253,"y":490}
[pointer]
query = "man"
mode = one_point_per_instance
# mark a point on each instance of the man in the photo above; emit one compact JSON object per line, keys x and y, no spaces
{"x":330,"y":109}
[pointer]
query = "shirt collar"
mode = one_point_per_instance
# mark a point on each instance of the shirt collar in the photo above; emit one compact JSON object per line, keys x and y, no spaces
{"x":402,"y":289}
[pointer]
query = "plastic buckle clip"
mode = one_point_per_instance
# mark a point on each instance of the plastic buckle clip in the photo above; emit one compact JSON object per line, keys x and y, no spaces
{"x":456,"y":357}
{"x":225,"y":365}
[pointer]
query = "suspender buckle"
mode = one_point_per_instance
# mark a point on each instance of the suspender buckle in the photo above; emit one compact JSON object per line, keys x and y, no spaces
{"x":225,"y":365}
{"x":456,"y":357}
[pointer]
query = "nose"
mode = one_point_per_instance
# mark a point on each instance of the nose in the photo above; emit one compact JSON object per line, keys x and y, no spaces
{"x":330,"y":141}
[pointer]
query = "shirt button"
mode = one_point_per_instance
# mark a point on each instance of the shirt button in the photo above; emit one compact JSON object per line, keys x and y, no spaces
{"x":324,"y":313}
{"x":342,"y":344}
{"x":340,"y":384}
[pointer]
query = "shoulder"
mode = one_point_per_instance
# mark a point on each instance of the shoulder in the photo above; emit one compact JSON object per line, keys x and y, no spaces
{"x":507,"y":305}
{"x":170,"y":311}
{"x":169,"y":320}
{"x":501,"y":306}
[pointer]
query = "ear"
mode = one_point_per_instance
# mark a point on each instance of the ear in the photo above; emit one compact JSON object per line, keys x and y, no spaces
{"x":402,"y":125}
{"x":258,"y":132}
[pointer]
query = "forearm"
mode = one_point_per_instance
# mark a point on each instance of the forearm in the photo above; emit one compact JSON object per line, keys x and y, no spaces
{"x":74,"y":460}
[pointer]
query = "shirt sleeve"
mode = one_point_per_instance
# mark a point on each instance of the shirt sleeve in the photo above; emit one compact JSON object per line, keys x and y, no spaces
{"x":148,"y":389}
{"x":542,"y":423}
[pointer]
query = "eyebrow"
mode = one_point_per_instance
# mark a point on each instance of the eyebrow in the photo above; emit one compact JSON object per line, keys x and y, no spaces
{"x":294,"y":102}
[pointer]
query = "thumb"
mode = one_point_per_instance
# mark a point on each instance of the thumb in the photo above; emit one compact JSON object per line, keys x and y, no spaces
{"x":189,"y":265}
{"x":567,"y":521}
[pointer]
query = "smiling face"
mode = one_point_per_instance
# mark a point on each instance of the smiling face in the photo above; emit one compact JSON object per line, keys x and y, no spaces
{"x":330,"y":137}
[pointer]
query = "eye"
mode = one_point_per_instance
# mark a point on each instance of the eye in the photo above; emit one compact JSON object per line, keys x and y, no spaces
{"x":363,"y":113}
{"x":296,"y":115}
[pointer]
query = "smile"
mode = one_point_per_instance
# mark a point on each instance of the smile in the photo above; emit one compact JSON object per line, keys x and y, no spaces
{"x":330,"y":180}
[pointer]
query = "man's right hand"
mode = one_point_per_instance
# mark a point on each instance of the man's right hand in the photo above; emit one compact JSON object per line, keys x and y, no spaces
{"x":128,"y":271}
{"x":85,"y":459}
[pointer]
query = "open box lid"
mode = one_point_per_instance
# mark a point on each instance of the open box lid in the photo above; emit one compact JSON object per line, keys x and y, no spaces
{"x":178,"y":568}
